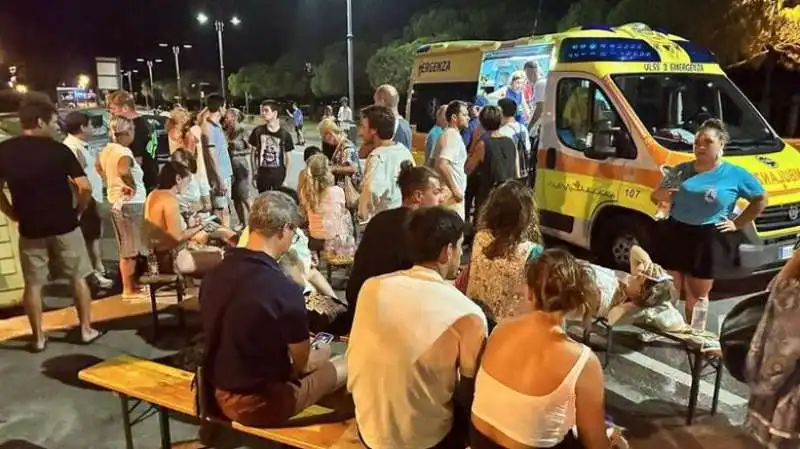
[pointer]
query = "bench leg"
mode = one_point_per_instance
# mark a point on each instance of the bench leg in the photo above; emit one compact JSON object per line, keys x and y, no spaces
{"x":179,"y":293}
{"x":609,"y":346}
{"x":163,"y":422}
{"x":126,"y":421}
{"x":697,"y":369}
{"x":154,"y":305}
{"x":717,"y":385}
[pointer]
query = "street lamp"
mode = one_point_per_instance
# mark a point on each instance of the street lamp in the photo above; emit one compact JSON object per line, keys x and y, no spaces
{"x":176,"y":50}
{"x":350,"y":78}
{"x":83,"y":81}
{"x":149,"y":63}
{"x":129,"y":74}
{"x":219,"y":25}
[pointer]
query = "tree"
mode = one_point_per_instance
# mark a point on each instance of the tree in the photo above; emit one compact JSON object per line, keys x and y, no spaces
{"x":586,"y":12}
{"x":329,"y":76}
{"x":392,"y":64}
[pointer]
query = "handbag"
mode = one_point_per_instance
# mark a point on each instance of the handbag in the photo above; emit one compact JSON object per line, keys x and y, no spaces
{"x":351,"y":194}
{"x":737,"y":333}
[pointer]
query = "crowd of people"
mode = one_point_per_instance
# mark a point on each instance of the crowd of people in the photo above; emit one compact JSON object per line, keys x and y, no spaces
{"x":437,"y":351}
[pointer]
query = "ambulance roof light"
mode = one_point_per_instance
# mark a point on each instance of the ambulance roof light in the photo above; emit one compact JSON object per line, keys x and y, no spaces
{"x":607,"y":49}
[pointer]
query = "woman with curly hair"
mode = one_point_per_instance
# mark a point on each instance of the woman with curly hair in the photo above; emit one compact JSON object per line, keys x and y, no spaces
{"x":507,"y":235}
{"x":553,"y":386}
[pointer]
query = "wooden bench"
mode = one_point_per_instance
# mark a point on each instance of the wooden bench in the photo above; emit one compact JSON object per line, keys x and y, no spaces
{"x":700,"y":359}
{"x":169,"y":389}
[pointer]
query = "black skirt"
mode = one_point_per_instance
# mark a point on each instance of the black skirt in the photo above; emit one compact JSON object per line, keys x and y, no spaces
{"x":699,"y":251}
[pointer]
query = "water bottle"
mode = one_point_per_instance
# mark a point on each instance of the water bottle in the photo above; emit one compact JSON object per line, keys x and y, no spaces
{"x":700,"y":315}
{"x":152,"y":263}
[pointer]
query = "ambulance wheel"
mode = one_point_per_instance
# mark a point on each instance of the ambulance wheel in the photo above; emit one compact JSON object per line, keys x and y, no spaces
{"x":618,"y":234}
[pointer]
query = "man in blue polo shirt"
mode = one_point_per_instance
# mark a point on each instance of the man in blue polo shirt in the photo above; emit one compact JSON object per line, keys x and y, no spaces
{"x":259,"y":358}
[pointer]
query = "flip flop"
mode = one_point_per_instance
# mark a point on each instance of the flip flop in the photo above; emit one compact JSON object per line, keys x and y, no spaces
{"x":93,"y":339}
{"x":34,"y":348}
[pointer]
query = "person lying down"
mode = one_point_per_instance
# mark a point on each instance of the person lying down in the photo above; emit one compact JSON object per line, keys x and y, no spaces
{"x":646,"y":295}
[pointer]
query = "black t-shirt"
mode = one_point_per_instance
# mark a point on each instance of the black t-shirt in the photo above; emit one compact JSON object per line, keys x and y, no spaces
{"x":141,"y":138}
{"x":37,"y":171}
{"x":265,"y":312}
{"x":271,"y":147}
{"x":382,"y":250}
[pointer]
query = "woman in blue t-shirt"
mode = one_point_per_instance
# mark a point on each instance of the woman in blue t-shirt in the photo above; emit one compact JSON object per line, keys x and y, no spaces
{"x":702,"y":235}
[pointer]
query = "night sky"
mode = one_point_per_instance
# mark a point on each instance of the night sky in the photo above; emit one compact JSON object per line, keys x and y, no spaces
{"x":55,"y":40}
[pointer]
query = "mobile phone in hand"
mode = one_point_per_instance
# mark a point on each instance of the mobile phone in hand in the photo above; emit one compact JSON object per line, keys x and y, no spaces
{"x":322,"y":338}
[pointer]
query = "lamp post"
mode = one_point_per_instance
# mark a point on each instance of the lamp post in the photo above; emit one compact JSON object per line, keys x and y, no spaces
{"x":129,"y":74}
{"x":350,"y":70}
{"x":150,"y":63}
{"x":176,"y":50}
{"x":219,"y":26}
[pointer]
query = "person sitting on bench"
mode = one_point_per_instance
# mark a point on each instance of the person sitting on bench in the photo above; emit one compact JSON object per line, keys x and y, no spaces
{"x":178,"y":245}
{"x":261,"y":363}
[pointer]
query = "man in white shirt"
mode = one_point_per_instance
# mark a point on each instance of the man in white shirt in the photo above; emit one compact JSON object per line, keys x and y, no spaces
{"x":534,"y":94}
{"x":517,"y":132}
{"x":379,"y":189}
{"x":415,"y":340}
{"x":76,"y":125}
{"x":452,"y":155}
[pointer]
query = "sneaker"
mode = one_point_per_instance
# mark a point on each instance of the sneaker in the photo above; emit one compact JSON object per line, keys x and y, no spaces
{"x":102,"y":281}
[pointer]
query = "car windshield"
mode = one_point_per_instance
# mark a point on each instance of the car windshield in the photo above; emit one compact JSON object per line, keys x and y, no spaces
{"x":673,"y":106}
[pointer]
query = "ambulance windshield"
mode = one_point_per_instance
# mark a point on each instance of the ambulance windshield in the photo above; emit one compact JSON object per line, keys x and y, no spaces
{"x":673,"y":106}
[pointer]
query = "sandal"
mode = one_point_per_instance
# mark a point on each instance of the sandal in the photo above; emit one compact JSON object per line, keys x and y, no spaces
{"x":93,"y":339}
{"x":35,"y":347}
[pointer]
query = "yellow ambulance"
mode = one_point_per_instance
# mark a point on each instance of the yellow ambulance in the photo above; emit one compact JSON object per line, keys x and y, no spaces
{"x":620,"y":104}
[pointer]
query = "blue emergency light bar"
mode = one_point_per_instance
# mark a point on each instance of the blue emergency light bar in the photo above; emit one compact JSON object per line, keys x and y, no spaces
{"x":607,"y":49}
{"x":697,"y":53}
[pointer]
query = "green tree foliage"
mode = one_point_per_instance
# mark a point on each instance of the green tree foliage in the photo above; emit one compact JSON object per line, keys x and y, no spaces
{"x":586,"y":12}
{"x":329,"y":76}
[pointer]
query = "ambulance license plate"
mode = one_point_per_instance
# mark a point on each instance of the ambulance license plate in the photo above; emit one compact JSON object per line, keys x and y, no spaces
{"x":786,"y":252}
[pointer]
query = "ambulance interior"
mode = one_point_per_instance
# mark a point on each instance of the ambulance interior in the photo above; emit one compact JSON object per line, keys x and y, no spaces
{"x":673,"y":106}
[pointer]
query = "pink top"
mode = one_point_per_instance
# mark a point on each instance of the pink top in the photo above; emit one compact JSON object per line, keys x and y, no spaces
{"x":328,"y":221}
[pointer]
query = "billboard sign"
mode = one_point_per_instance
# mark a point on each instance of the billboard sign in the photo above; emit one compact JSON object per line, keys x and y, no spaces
{"x":108,"y":74}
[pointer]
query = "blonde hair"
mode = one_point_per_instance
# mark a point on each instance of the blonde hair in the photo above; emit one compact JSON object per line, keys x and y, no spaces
{"x":328,"y":125}
{"x":561,"y":283}
{"x":118,"y":125}
{"x":318,"y":179}
{"x":178,"y":118}
{"x":121,"y":98}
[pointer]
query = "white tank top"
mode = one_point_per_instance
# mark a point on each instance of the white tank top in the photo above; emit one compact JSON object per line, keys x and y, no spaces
{"x":109,"y":162}
{"x":537,"y":421}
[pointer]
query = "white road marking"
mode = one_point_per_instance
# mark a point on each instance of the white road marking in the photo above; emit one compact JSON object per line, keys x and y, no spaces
{"x":706,"y":388}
